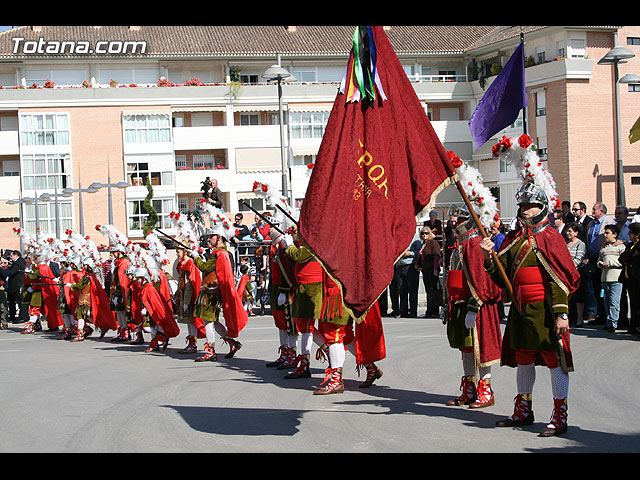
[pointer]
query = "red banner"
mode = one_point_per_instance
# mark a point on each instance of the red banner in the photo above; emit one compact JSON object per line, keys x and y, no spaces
{"x":379,"y":164}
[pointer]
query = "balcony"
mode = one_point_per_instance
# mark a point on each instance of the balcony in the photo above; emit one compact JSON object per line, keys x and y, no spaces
{"x":201,"y":138}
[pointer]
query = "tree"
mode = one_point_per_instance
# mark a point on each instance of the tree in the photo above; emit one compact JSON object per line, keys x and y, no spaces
{"x":147,"y":206}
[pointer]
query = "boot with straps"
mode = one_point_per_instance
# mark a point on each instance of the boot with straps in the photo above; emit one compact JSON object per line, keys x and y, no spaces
{"x":303,"y":368}
{"x":468,"y":389}
{"x":522,"y":412}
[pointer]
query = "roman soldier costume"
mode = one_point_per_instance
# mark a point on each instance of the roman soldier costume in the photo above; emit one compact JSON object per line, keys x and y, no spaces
{"x":543,"y":276}
{"x":473,"y":321}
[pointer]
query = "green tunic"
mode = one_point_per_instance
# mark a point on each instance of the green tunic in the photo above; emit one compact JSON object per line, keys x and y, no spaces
{"x":33,"y":298}
{"x":208,"y":303}
{"x":532,"y":326}
{"x":83,"y":311}
{"x":307,"y":299}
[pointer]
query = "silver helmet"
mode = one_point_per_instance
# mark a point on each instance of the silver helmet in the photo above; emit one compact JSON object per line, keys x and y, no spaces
{"x":460,"y":211}
{"x":530,"y":193}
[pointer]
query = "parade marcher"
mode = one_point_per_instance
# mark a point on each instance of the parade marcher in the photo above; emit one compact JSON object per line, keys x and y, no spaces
{"x":218,"y":290}
{"x":189,"y":282}
{"x":306,"y":304}
{"x":163,"y":325}
{"x":135,"y":319}
{"x":365,"y":340}
{"x":41,"y":290}
{"x":543,"y":276}
{"x":92,"y":306}
{"x":118,"y":243}
{"x":281,"y":286}
{"x":473,"y":320}
{"x":70,"y":265}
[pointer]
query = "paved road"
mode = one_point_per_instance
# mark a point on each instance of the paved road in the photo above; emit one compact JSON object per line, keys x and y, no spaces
{"x":99,"y":396}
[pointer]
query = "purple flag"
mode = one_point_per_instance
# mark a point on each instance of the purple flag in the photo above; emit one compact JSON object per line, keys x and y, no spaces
{"x":502,"y":102}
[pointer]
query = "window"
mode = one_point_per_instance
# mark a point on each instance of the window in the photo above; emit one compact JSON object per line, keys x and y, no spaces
{"x":183,"y":205}
{"x":46,"y":221}
{"x":203,"y":161}
{"x":256,"y":203}
{"x":633,"y":40}
{"x":137,"y":215}
{"x":540,"y":55}
{"x":42,"y":172}
{"x":634,"y":87}
{"x":301,"y":160}
{"x":249,"y":119}
{"x":153,"y":128}
{"x":305,"y":76}
{"x":137,"y":174}
{"x":44,"y":129}
{"x":308,"y":124}
{"x":248,"y":78}
{"x":181,"y":162}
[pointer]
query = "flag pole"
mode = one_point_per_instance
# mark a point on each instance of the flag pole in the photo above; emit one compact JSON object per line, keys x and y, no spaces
{"x":483,"y":232}
{"x":524,"y":109}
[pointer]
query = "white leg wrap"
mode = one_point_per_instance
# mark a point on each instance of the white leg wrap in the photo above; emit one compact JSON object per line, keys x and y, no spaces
{"x":284,"y":337}
{"x":210,"y":331}
{"x":153,"y":331}
{"x":33,"y":318}
{"x":468,"y":364}
{"x":484,"y":372}
{"x":80,"y":324}
{"x":525,"y":378}
{"x":351,"y":347}
{"x":336,"y":355}
{"x":559,"y":383}
{"x":306,"y":340}
{"x":318,"y":339}
{"x":292,"y":340}
{"x":220,"y":329}
{"x":66,"y":319}
{"x":122,"y":318}
{"x":192,"y":330}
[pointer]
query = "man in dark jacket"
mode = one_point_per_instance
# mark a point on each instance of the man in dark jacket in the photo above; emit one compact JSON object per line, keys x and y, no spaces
{"x":15,"y":279}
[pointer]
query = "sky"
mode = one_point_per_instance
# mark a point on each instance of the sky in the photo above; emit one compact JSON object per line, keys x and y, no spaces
{"x":2,"y":29}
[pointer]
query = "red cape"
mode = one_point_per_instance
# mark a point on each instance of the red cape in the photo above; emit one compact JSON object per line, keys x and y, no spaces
{"x":50,"y":292}
{"x":235,"y":316}
{"x":488,"y":319}
{"x":101,"y":312}
{"x":71,"y":296}
{"x":195,"y":277}
{"x":121,"y":265}
{"x":165,"y":289}
{"x":370,"y":344}
{"x":242,"y":284}
{"x":159,"y":310}
{"x":136,"y":304}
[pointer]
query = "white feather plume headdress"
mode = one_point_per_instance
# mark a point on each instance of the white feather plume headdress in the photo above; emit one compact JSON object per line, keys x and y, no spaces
{"x":186,"y":233}
{"x":219,"y":223}
{"x":273,"y":198}
{"x":118,"y":241}
{"x":157,"y":249}
{"x":522,"y":153}
{"x":479,"y":195}
{"x":144,"y":261}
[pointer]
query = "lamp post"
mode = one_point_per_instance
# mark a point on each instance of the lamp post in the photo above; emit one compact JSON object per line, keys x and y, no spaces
{"x":47,"y":197}
{"x":109,"y":186}
{"x":28,"y":201}
{"x":278,"y":74}
{"x":615,"y":56}
{"x":80,"y":191}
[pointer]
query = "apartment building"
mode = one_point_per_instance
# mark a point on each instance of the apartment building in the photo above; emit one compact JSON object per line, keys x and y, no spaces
{"x":82,"y":107}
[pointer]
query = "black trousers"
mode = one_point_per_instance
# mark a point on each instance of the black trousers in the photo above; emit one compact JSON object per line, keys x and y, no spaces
{"x":17,"y":311}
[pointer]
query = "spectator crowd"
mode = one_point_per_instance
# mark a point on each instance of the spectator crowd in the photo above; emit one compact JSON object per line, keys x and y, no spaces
{"x":603,"y":245}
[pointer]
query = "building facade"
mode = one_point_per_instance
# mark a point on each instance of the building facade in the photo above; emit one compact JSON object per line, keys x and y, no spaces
{"x":170,"y":106}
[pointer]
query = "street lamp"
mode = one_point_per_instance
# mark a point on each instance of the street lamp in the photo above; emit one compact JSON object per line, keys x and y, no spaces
{"x":28,"y":201}
{"x":615,"y":56}
{"x":109,"y":186}
{"x":80,"y":191}
{"x":278,"y":74}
